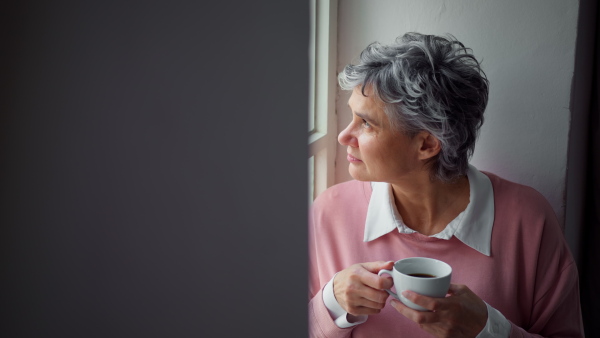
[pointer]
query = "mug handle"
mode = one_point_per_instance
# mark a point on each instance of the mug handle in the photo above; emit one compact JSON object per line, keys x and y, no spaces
{"x":389,"y":272}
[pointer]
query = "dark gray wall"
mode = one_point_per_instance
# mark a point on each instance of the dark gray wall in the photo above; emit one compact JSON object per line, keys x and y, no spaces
{"x":153,"y":168}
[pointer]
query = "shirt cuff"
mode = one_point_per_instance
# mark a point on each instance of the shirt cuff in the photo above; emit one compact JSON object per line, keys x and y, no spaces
{"x":497,"y":326}
{"x":337,"y":313}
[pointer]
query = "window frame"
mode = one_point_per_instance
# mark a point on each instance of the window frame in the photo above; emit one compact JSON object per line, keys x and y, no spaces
{"x":322,"y":139}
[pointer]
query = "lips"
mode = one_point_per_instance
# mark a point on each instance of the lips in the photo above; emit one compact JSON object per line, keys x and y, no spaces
{"x":352,"y":158}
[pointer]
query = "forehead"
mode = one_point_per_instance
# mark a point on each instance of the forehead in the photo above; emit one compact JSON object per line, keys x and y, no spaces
{"x":370,"y":103}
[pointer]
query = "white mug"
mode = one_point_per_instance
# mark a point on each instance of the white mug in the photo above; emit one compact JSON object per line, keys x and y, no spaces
{"x":425,"y":276}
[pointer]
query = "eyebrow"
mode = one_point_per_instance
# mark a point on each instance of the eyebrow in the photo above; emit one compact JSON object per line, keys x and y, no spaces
{"x":361,"y":115}
{"x":367,"y":118}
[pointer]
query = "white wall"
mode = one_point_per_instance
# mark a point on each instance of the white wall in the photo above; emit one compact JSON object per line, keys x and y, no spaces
{"x":527,"y":48}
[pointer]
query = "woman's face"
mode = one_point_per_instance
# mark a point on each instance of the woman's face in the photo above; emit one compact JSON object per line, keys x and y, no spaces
{"x":376,"y":151}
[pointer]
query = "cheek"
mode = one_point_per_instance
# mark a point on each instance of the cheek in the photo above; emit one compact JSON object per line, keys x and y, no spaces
{"x":368,"y":145}
{"x":390,"y":156}
{"x":376,"y":152}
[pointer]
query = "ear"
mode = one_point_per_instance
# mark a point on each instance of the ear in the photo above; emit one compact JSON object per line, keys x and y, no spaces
{"x":430,"y":146}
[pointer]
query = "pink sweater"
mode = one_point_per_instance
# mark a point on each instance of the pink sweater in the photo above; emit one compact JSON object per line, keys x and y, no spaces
{"x":530,"y":277}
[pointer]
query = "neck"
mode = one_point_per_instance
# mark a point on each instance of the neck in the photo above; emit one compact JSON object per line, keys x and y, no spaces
{"x":426,"y":205}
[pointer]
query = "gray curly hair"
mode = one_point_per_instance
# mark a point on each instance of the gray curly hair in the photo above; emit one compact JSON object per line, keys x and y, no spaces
{"x":428,"y":83}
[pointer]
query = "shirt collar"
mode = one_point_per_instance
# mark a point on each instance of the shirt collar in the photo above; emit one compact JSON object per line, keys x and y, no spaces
{"x":473,"y":226}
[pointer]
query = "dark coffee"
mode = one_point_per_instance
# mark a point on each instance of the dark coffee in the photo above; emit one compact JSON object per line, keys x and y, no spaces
{"x":421,"y":275}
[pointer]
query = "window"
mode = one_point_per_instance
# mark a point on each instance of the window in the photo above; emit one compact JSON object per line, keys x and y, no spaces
{"x":322,"y":133}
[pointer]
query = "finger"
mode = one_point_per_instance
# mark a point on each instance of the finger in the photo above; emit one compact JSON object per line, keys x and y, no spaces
{"x":430,"y":303}
{"x":419,"y":317}
{"x":354,"y":293}
{"x":376,"y":296}
{"x":375,"y":281}
{"x":359,"y":276}
{"x":359,"y":291}
{"x":370,"y":304}
{"x":363,"y":310}
{"x":374,"y":267}
{"x":388,"y":282}
{"x":456,"y":289}
{"x":363,"y":306}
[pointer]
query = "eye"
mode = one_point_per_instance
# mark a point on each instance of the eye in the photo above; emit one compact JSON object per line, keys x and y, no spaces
{"x":366,"y":124}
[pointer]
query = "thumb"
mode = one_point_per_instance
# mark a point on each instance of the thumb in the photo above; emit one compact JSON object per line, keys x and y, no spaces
{"x":374,"y":267}
{"x":456,"y":289}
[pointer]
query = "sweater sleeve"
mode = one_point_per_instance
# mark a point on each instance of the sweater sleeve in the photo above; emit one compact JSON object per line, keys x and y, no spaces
{"x":556,"y":309}
{"x":320,"y":322}
{"x":557,"y":313}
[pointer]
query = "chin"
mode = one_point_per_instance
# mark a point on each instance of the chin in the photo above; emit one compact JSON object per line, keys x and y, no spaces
{"x":357,"y":175}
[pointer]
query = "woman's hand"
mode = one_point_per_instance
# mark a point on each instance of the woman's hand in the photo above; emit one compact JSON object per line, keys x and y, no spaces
{"x":359,"y":290}
{"x":461,"y":314}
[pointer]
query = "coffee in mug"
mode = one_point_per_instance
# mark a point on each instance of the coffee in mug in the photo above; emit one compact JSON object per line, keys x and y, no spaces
{"x":421,"y":275}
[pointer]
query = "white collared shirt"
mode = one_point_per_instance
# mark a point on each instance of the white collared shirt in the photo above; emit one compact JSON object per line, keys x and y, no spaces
{"x":473,"y":227}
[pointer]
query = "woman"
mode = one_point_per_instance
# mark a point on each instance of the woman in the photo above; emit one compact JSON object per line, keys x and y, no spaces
{"x":417,"y":106}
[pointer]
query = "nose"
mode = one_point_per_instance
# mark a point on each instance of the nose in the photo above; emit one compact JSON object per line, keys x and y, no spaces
{"x":347,"y":137}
